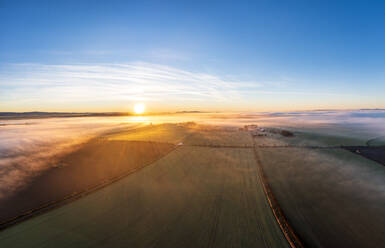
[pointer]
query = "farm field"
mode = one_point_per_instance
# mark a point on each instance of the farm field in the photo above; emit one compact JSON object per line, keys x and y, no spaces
{"x":331,"y":197}
{"x":378,"y":141}
{"x":93,"y":164}
{"x":220,"y":138}
{"x":193,"y":197}
{"x":308,"y":138}
{"x":375,"y":153}
{"x":165,"y":133}
{"x":202,"y":187}
{"x":313,"y":139}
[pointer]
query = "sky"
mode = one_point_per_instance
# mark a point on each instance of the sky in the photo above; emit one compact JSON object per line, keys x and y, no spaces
{"x":191,"y":55}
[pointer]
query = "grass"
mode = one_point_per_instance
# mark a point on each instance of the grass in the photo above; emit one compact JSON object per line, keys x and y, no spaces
{"x":332,"y":198}
{"x":200,"y":195}
{"x":271,"y":140}
{"x":314,"y":139}
{"x":193,"y":197}
{"x":93,"y":164}
{"x":379,"y":141}
{"x":303,"y":138}
{"x":220,"y":138}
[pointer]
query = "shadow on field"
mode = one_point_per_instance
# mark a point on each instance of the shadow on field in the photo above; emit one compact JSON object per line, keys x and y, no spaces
{"x":96,"y":163}
{"x":375,"y":153}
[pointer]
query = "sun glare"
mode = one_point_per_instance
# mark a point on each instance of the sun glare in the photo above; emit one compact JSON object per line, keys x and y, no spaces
{"x":139,"y":108}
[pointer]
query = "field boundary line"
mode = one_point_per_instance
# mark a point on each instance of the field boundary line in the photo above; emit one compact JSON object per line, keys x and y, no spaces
{"x":74,"y":196}
{"x":220,"y":146}
{"x":295,"y":146}
{"x":280,"y":217}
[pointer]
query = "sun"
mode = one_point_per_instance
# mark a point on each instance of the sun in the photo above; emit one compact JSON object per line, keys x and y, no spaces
{"x":139,"y":108}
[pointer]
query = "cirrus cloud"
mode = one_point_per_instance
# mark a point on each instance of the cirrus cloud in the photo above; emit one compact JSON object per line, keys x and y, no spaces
{"x":114,"y":82}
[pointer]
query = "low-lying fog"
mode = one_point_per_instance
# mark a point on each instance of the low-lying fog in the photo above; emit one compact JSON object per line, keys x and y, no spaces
{"x":29,"y":146}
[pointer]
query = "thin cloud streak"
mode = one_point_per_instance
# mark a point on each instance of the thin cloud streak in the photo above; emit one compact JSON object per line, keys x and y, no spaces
{"x":93,"y":86}
{"x":116,"y":81}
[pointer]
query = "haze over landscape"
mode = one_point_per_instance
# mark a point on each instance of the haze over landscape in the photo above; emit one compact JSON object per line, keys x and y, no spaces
{"x":192,"y":124}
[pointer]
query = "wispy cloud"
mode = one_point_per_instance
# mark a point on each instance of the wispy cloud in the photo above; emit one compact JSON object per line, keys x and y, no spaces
{"x":111,"y":82}
{"x":104,"y":87}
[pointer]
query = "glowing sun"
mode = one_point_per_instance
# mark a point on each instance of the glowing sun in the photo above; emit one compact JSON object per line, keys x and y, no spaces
{"x":139,"y":108}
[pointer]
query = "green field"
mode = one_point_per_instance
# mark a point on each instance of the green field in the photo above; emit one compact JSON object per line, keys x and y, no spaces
{"x":93,"y":164}
{"x":192,"y":197}
{"x":379,"y":141}
{"x":308,"y":138}
{"x":315,"y":139}
{"x":220,"y":138}
{"x":208,"y":192}
{"x":332,"y":197}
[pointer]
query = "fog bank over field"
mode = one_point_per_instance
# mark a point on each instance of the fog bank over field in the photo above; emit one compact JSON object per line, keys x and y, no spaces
{"x":30,"y":146}
{"x":364,"y":124}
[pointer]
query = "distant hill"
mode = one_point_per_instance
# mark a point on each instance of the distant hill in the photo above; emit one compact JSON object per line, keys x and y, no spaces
{"x":37,"y":114}
{"x":189,"y":112}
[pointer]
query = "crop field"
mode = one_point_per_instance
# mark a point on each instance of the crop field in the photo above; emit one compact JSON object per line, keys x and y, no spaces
{"x":313,"y":139}
{"x":165,"y":133}
{"x":378,"y":141}
{"x":375,"y":153}
{"x":331,"y":197}
{"x":205,"y":192}
{"x":271,"y":140}
{"x":303,"y":138}
{"x":94,"y":163}
{"x":193,"y":197}
{"x":220,"y":138}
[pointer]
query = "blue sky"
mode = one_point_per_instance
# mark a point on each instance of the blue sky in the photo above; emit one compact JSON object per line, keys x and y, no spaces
{"x":217,"y":55}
